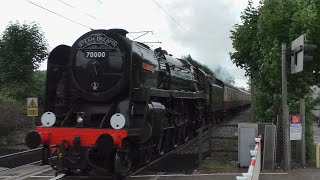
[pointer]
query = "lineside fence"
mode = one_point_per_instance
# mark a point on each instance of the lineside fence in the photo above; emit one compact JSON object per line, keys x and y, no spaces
{"x":217,"y":139}
{"x":294,"y":149}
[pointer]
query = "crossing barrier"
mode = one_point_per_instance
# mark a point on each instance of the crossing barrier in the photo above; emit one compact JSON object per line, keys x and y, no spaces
{"x":255,"y":165}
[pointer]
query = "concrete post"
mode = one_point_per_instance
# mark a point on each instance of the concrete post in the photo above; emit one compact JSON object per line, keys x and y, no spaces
{"x":210,"y":138}
{"x":252,"y":99}
{"x":200,"y":146}
{"x":285,"y":108}
{"x":303,"y":139}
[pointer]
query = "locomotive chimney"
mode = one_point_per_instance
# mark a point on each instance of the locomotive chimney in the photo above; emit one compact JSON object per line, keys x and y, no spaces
{"x":122,"y":32}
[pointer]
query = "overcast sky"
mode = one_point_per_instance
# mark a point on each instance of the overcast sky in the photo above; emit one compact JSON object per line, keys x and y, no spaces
{"x":200,"y":28}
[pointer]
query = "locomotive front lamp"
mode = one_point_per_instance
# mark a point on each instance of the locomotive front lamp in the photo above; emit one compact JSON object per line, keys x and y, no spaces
{"x":80,"y":116}
{"x":79,"y":119}
{"x":48,"y":119}
{"x":117,"y":121}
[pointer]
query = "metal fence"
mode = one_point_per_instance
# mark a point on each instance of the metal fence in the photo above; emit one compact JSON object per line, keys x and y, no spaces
{"x":281,"y":150}
{"x":224,"y":136}
{"x":280,"y":145}
{"x":218,"y":140}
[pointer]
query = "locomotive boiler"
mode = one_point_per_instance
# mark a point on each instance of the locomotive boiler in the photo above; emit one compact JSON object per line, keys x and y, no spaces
{"x":113,"y":103}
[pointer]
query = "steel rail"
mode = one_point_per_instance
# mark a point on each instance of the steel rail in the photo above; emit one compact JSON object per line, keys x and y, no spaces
{"x":189,"y":142}
{"x":20,"y":153}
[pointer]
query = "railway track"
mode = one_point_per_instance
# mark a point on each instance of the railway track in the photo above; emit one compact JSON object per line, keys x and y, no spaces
{"x":20,"y":158}
{"x":35,"y":171}
{"x":191,"y":141}
{"x":185,"y":159}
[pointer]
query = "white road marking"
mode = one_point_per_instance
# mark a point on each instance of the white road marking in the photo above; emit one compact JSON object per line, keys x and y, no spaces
{"x":184,"y":175}
{"x":19,"y":167}
{"x":158,"y":176}
{"x":42,"y":176}
{"x":195,"y":175}
{"x":32,"y":173}
{"x":58,"y":177}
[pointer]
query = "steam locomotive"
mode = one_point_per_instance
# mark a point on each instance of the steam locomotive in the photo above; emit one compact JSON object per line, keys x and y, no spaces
{"x":113,"y":103}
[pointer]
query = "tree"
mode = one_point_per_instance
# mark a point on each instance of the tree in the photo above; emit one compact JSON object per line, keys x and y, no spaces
{"x":22,"y":48}
{"x":257,"y":41}
{"x":244,"y":40}
{"x":39,"y":84}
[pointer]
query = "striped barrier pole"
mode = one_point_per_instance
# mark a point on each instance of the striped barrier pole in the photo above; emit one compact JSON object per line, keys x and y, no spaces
{"x":241,"y":178}
{"x":255,"y":165}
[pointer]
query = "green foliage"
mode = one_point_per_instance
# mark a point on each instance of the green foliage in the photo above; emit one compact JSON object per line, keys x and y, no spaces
{"x":257,"y":41}
{"x":35,"y":87}
{"x":309,"y":137}
{"x":22,"y":49}
{"x":38,"y":85}
{"x":244,"y":40}
{"x":12,"y":114}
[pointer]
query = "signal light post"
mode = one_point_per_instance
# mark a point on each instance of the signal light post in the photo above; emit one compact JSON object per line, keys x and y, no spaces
{"x":300,"y":53}
{"x":285,"y":109}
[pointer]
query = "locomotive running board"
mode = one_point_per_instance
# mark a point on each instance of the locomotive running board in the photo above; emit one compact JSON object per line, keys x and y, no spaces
{"x":140,"y":93}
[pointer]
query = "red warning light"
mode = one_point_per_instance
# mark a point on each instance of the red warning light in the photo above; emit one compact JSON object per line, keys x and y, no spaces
{"x":295,"y":119}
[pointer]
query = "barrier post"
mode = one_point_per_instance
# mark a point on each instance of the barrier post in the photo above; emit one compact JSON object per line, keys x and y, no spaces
{"x":285,"y":108}
{"x":303,"y":136}
{"x":318,"y":156}
{"x":255,"y":165}
{"x":210,"y":138}
{"x":200,"y":146}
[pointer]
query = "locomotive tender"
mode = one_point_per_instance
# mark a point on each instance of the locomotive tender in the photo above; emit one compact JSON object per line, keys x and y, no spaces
{"x":112,"y":103}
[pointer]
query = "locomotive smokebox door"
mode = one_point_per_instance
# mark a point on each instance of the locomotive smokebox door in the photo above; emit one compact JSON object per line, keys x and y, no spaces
{"x":99,"y":61}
